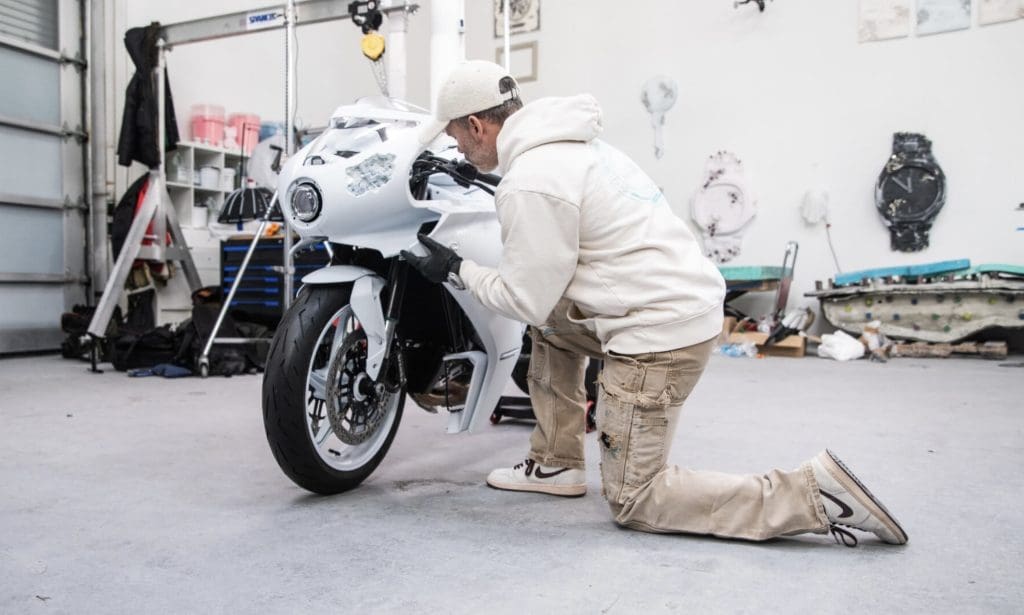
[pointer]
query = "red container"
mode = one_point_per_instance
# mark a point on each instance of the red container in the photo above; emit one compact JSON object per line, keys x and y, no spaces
{"x":208,"y":124}
{"x":247,"y":130}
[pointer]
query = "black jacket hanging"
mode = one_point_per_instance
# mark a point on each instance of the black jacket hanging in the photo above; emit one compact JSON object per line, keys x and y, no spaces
{"x":139,"y":123}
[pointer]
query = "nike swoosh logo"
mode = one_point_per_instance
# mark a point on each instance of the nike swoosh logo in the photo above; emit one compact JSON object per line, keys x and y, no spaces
{"x":847,"y":511}
{"x":542,"y":474}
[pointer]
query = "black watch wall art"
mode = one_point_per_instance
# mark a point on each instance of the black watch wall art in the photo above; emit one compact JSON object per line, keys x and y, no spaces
{"x":910,"y":191}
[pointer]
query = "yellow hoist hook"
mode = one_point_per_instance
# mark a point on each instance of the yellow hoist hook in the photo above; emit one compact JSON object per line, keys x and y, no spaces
{"x":372,"y":45}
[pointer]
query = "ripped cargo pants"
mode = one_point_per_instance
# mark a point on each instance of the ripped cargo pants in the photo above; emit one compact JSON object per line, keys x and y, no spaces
{"x":639,"y":403}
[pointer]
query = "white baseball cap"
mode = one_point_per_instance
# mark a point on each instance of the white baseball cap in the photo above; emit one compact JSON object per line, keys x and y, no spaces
{"x":469,"y":88}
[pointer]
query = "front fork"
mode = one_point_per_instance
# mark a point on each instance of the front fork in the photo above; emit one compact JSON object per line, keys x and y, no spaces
{"x":393,"y":357}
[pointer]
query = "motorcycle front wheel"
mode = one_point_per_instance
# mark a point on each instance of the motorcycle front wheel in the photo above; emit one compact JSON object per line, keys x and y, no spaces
{"x":327,"y":422}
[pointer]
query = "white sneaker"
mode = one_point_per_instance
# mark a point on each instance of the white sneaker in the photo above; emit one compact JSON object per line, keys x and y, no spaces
{"x":848,"y":502}
{"x":531,"y":476}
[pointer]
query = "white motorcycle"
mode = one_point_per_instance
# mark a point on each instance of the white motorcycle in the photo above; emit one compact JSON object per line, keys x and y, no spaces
{"x":368,"y":329}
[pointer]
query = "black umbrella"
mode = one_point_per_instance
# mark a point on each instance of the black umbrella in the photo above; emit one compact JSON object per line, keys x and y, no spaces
{"x":249,"y":202}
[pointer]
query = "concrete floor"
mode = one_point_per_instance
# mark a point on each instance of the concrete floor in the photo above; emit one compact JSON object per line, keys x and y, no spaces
{"x":121,"y":495}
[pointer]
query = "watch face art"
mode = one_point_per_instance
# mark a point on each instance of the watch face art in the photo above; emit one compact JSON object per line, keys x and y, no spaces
{"x":910,"y":192}
{"x":723,"y":206}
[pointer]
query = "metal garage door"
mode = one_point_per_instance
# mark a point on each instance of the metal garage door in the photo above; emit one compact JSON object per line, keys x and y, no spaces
{"x":42,"y":203}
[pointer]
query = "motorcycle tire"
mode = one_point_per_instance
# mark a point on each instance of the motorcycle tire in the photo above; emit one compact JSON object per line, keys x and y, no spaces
{"x":286,"y":386}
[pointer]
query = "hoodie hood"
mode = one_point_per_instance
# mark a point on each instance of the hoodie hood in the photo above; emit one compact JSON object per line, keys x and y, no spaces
{"x":141,"y":46}
{"x":548,"y":120}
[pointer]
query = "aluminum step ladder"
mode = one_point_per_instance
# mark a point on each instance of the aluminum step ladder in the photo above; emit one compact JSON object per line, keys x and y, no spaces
{"x":138,"y":244}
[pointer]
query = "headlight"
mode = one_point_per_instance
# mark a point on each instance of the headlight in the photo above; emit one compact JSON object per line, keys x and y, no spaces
{"x":306,"y":201}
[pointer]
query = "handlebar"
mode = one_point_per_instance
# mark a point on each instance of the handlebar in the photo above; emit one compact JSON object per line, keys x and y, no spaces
{"x":472,"y":173}
{"x":461,"y":171}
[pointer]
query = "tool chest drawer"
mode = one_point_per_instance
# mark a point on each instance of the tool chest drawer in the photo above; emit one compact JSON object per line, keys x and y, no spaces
{"x":260,"y":294}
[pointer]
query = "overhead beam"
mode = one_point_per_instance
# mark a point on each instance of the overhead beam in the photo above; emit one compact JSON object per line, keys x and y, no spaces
{"x":269,"y":18}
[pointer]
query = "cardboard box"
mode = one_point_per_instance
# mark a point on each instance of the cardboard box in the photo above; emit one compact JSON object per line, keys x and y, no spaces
{"x":792,"y":346}
{"x":727,"y":327}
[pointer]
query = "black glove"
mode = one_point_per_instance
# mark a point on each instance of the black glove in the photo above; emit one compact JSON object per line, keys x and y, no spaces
{"x":438,"y":263}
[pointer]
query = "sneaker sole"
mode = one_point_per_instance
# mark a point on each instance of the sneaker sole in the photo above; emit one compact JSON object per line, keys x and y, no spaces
{"x":840,"y":472}
{"x":568,"y":491}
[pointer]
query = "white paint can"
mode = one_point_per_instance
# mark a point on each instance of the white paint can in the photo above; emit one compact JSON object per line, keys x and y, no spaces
{"x":209,"y":177}
{"x":227,"y":179}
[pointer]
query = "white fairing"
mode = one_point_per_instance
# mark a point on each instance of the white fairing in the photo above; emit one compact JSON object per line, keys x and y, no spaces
{"x":478,"y":236}
{"x":381,"y":218}
{"x":379,"y":133}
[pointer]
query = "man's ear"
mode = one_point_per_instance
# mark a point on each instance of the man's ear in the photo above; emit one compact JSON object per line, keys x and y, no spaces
{"x":476,"y":126}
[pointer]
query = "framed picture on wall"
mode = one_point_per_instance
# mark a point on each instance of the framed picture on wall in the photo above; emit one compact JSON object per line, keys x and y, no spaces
{"x":997,"y":11}
{"x":523,"y":66}
{"x":883,"y":19}
{"x":935,"y":16}
{"x":524,"y":16}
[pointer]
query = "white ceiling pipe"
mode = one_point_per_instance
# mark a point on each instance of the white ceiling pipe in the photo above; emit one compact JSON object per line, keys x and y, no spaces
{"x":447,"y":40}
{"x":289,"y":142}
{"x":462,"y":30}
{"x":506,"y":10}
{"x":396,"y":55}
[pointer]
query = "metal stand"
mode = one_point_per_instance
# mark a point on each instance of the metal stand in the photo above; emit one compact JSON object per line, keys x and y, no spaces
{"x":785,"y":281}
{"x":164,"y":219}
{"x":289,"y":143}
{"x":204,"y":359}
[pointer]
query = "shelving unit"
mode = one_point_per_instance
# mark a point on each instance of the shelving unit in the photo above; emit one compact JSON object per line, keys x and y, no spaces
{"x":185,"y":172}
{"x":197,"y":206}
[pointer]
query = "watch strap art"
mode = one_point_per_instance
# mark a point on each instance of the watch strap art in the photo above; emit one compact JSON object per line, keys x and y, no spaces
{"x":909,"y":236}
{"x":723,"y":206}
{"x":911,"y":144}
{"x":908,"y":229}
{"x":911,"y":149}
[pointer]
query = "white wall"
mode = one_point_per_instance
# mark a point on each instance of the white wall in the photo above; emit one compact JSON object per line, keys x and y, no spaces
{"x":803,"y":104}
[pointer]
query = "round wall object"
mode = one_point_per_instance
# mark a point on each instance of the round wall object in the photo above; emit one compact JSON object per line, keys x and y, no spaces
{"x":814,"y":206}
{"x":723,"y":206}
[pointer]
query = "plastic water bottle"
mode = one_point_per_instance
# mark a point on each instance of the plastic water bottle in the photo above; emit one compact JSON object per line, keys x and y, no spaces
{"x":744,"y":349}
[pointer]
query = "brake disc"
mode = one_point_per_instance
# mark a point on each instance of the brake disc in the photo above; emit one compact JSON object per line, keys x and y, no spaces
{"x":355,"y":405}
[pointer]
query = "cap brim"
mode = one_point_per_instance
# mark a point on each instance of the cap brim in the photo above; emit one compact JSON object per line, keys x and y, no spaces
{"x":431,"y":130}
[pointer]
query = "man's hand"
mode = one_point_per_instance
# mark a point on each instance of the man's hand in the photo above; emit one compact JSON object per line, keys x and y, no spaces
{"x":438,"y":263}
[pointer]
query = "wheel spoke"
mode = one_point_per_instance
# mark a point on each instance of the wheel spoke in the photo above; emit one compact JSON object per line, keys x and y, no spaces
{"x":323,"y":434}
{"x":315,"y":412}
{"x":318,"y":383}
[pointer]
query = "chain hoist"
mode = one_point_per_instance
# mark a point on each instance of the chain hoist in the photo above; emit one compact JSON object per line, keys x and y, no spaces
{"x":367,"y":15}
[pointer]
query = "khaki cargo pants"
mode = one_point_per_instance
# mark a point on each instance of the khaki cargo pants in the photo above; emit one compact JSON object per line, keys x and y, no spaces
{"x":639,"y":404}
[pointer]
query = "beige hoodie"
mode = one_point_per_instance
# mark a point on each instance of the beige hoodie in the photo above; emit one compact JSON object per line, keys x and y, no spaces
{"x":579,"y":219}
